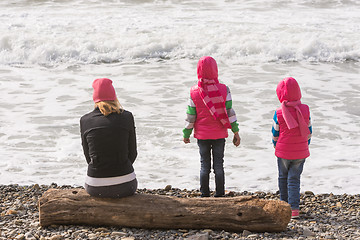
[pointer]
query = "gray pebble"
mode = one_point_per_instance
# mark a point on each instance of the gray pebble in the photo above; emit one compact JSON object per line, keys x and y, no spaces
{"x":20,"y":237}
{"x":118,"y":234}
{"x":246,"y":233}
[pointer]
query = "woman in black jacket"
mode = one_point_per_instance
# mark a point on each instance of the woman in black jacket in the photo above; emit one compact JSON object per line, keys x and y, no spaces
{"x":109,"y":144}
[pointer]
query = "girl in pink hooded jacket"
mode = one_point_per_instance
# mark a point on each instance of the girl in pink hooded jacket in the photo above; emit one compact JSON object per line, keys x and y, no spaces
{"x":291,"y":136}
{"x":210,"y":114}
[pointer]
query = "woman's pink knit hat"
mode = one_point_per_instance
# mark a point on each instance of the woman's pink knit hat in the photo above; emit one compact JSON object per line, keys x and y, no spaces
{"x":103,"y":90}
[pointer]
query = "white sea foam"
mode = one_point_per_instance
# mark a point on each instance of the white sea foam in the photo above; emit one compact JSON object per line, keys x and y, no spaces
{"x":50,"y":52}
{"x":54,"y":33}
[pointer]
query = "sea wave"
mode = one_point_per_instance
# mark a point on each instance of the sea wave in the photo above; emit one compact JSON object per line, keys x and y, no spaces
{"x":33,"y":51}
{"x":51,"y":33}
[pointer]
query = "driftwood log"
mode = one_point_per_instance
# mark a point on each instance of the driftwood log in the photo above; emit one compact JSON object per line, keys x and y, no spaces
{"x":76,"y":207}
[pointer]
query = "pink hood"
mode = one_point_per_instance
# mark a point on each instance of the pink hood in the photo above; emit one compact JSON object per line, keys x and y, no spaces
{"x":289,"y":94}
{"x":207,"y":69}
{"x":288,"y":90}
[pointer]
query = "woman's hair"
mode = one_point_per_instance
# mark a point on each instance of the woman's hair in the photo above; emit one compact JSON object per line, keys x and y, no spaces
{"x":107,"y":107}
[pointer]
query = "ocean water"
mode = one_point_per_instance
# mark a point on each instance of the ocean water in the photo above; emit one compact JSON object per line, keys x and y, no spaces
{"x":51,"y":51}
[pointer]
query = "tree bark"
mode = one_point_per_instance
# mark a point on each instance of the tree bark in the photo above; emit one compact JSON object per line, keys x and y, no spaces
{"x":76,"y":207}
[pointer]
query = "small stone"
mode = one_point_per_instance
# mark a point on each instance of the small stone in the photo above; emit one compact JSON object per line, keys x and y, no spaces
{"x":253,"y":236}
{"x":231,"y":194}
{"x":308,"y":233}
{"x":204,"y":236}
{"x":235,"y":235}
{"x":34,"y":224}
{"x":11,"y":212}
{"x":128,"y":238}
{"x":20,"y":207}
{"x":29,"y":235}
{"x":36,"y":236}
{"x":186,"y":234}
{"x":56,"y":237}
{"x":101,"y":230}
{"x":118,"y":234}
{"x":329,"y":237}
{"x":18,"y":222}
{"x":168,"y":188}
{"x":20,"y":237}
{"x":246,"y":233}
{"x":309,"y":193}
{"x":92,"y":236}
{"x":338,"y":204}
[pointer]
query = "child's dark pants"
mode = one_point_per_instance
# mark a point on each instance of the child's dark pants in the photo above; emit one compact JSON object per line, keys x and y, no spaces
{"x":216,"y":147}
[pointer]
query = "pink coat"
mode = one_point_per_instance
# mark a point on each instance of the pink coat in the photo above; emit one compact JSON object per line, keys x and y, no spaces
{"x":291,"y":144}
{"x":206,"y":127}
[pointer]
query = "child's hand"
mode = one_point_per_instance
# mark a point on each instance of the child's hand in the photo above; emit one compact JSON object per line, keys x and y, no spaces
{"x":186,"y":140}
{"x":236,"y":139}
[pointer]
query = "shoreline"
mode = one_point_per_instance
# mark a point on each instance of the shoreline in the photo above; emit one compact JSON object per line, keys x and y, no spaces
{"x":322,"y":216}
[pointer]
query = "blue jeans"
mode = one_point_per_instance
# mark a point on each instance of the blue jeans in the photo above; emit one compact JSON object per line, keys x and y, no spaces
{"x":216,"y":147}
{"x":289,"y":180}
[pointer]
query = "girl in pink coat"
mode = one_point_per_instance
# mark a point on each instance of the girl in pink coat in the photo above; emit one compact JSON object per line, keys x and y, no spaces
{"x":210,"y":114}
{"x":291,"y":136}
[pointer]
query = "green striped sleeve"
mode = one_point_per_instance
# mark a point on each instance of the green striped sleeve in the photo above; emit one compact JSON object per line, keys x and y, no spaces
{"x":191,"y":110}
{"x":228,"y":104}
{"x":187,"y":132}
{"x":234,"y":126}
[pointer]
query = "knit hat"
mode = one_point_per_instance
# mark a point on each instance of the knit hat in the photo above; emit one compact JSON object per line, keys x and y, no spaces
{"x":103,"y":90}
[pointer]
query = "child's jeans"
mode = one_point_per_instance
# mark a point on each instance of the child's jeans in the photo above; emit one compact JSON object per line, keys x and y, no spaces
{"x":216,"y":147}
{"x":289,"y":180}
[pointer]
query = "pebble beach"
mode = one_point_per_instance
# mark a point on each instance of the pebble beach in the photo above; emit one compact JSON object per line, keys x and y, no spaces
{"x":322,"y":216}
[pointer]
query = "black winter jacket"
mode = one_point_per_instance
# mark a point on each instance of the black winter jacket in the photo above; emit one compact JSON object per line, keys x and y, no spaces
{"x":109,"y":143}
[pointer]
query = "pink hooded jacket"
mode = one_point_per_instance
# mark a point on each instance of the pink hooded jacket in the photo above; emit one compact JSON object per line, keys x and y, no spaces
{"x":206,"y":127}
{"x":293,"y":118}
